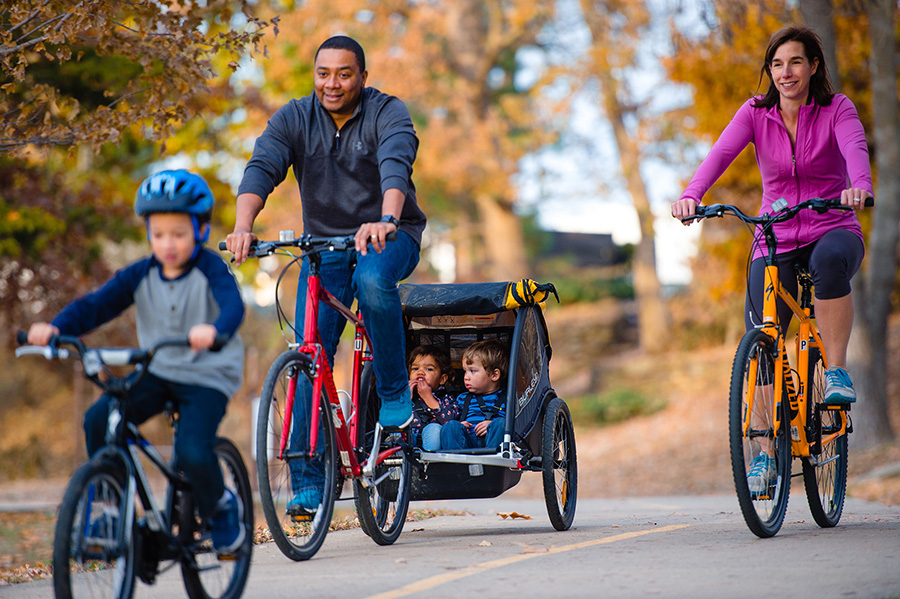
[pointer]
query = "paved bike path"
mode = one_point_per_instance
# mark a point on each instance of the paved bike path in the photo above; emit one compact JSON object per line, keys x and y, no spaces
{"x":636,"y":547}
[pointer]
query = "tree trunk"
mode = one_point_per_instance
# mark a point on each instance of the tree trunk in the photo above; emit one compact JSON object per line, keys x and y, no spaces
{"x":653,"y":318}
{"x":472,"y":51}
{"x":867,"y":356}
{"x":653,"y":321}
{"x":504,"y":241}
{"x":819,"y":16}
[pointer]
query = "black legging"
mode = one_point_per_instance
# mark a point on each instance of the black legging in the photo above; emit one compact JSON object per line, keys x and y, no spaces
{"x":832,"y":261}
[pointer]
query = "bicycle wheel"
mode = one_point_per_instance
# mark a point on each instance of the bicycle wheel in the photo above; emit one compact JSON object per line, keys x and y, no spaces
{"x":824,"y":475}
{"x":206,"y":575}
{"x":559,"y":464}
{"x":298,"y":533}
{"x":754,"y":430}
{"x":91,"y":555}
{"x":382,"y":507}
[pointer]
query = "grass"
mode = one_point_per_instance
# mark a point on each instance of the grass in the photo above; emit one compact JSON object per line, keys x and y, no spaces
{"x":26,"y":545}
{"x":610,"y":407}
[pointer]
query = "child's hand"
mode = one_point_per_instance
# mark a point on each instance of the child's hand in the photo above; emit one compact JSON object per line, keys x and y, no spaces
{"x":426,"y":393}
{"x":41,"y":332}
{"x":481,"y":428}
{"x":466,"y":424}
{"x":202,"y":336}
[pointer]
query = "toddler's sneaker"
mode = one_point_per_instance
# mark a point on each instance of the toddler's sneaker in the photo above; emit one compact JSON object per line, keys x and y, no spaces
{"x":838,"y":387}
{"x":762,"y":472}
{"x":227,"y":523}
{"x":395,"y":414}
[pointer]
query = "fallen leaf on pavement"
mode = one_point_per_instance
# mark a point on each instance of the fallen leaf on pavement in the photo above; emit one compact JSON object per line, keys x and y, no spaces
{"x":513,"y":515}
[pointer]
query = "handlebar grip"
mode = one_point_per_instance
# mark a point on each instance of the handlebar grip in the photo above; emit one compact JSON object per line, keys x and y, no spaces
{"x":22,"y":338}
{"x":220,"y":341}
{"x":870,"y":201}
{"x":224,"y":247}
{"x":392,"y":236}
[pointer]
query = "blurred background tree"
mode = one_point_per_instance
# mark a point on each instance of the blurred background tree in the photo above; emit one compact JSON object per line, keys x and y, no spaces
{"x":90,"y":92}
{"x":95,"y":95}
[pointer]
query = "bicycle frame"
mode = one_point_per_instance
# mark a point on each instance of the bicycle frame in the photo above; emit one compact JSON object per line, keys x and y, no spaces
{"x":808,"y":337}
{"x":345,"y":432}
{"x":127,"y":446}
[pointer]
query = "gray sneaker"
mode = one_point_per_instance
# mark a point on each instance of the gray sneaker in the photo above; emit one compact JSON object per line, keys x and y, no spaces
{"x":838,"y":386}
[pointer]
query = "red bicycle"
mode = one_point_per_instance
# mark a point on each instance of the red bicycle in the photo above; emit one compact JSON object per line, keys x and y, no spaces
{"x":340,"y":423}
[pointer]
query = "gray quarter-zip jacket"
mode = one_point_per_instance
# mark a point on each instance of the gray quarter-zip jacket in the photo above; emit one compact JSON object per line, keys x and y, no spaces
{"x":342,"y":174}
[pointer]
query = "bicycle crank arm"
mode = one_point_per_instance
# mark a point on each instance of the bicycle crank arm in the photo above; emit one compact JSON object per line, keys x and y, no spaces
{"x":369,"y":468}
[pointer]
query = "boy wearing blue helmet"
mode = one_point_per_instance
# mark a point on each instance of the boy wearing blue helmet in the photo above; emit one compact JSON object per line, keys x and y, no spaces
{"x":181,"y":289}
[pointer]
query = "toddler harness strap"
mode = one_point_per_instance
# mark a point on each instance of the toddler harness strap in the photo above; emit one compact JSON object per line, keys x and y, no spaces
{"x":489,"y":412}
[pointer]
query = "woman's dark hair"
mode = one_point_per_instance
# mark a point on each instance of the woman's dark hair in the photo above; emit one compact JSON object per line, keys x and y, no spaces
{"x":342,"y":42}
{"x":820,"y":87}
{"x":441,"y":357}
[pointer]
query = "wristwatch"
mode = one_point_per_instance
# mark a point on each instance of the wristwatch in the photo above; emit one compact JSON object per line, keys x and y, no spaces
{"x":389,"y":218}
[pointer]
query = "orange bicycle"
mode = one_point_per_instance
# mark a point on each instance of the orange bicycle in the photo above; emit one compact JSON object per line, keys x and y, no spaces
{"x":777,"y":409}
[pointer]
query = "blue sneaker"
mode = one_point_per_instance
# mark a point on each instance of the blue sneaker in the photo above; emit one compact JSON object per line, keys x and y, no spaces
{"x":762,"y":473}
{"x":227,"y":523}
{"x":838,"y":387}
{"x":395,"y":414}
{"x":305,"y":501}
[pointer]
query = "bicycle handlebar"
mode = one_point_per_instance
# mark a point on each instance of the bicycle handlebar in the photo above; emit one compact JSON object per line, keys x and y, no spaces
{"x":781,"y":214}
{"x":307,"y":243}
{"x":95,"y":358}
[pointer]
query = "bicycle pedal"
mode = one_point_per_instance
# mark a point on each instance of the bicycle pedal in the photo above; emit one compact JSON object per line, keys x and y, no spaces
{"x":301,"y":516}
{"x":227,"y":557}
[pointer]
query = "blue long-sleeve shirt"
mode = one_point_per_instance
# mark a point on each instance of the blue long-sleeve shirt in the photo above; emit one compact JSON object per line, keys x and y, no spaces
{"x":344,"y":173}
{"x":205,"y":294}
{"x":473,"y":408}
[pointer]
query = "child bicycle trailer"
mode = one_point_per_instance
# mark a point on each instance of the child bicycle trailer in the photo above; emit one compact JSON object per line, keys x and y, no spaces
{"x":538,"y":434}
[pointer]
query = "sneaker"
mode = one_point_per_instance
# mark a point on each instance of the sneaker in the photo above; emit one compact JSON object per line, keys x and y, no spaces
{"x":762,"y":472}
{"x":304,"y":501}
{"x":227,"y":523}
{"x":395,"y":414}
{"x":101,"y":534}
{"x":104,"y":527}
{"x":838,"y":387}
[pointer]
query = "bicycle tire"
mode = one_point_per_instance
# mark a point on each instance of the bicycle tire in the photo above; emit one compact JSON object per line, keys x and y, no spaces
{"x":89,"y":538}
{"x":559,"y":465}
{"x":824,"y":475}
{"x":763,"y":510}
{"x":297,"y":538}
{"x":382,"y":508}
{"x":205,"y":575}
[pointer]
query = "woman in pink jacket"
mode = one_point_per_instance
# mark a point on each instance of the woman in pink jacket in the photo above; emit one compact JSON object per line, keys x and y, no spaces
{"x":809,"y":143}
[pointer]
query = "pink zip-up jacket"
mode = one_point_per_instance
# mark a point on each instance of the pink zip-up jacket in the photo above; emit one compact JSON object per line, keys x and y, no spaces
{"x":830,"y":155}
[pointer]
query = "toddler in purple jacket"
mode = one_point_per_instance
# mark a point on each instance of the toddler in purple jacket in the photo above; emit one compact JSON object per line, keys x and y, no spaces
{"x":430,"y":370}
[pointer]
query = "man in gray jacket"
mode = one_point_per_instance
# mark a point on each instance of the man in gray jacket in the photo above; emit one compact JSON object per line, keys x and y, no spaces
{"x":352,"y":149}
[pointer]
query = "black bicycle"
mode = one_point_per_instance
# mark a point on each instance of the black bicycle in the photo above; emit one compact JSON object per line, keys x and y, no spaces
{"x":105,"y":538}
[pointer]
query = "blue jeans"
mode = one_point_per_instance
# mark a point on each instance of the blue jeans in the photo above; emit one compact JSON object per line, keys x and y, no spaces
{"x":374,"y":284}
{"x":200,"y":410}
{"x":431,"y":436}
{"x":454,"y":435}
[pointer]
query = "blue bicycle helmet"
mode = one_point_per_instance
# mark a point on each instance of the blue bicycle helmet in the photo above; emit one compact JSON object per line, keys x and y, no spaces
{"x":176,"y":191}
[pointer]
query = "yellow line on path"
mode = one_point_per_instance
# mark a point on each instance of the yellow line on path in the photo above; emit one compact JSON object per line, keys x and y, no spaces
{"x":435,"y":581}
